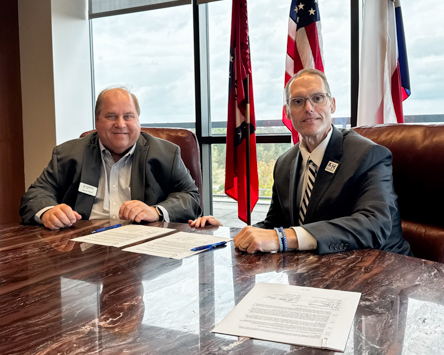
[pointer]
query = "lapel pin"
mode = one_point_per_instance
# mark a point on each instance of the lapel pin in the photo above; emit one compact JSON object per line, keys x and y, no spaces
{"x":331,"y":167}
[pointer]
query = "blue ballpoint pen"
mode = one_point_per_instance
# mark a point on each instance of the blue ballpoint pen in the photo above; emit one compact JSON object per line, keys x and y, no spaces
{"x":106,"y":228}
{"x":209,"y":246}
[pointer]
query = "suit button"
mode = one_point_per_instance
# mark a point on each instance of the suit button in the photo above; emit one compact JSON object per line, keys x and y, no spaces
{"x":332,"y":247}
{"x":341,"y":246}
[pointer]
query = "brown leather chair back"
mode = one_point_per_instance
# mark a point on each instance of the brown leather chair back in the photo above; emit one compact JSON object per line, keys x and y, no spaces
{"x":189,"y":149}
{"x":418,"y":177}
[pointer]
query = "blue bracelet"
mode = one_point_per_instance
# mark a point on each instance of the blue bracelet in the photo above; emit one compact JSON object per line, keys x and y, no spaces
{"x":279,"y":238}
{"x":284,"y":238}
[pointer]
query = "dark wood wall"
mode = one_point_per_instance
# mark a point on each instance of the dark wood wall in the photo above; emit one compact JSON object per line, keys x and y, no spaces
{"x":12,"y":181}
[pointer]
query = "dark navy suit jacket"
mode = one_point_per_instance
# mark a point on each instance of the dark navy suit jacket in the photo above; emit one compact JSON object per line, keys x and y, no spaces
{"x":353,"y":208}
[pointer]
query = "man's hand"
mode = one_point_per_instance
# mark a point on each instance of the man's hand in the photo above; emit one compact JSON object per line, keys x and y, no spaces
{"x":60,"y":216}
{"x":205,"y":220}
{"x":252,"y":239}
{"x":138,"y":211}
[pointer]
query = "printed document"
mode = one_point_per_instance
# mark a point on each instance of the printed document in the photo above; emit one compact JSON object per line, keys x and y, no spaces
{"x":293,"y":315}
{"x":177,"y":245}
{"x":125,"y":235}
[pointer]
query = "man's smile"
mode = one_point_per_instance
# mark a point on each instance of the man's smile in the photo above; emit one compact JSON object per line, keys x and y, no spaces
{"x":311,"y":119}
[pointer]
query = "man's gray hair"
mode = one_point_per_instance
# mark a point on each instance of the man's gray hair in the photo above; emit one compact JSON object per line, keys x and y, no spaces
{"x":99,"y":100}
{"x":302,"y":72}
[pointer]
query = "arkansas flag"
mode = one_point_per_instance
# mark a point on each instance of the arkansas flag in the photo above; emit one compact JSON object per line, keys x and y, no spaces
{"x":304,"y":45}
{"x":383,"y":74}
{"x":236,"y":161}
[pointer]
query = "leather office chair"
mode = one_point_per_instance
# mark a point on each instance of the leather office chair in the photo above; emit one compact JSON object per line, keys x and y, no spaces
{"x":189,"y":149}
{"x":418,"y":177}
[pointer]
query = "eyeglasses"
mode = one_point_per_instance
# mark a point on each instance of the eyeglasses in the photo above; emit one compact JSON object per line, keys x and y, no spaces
{"x":317,"y":100}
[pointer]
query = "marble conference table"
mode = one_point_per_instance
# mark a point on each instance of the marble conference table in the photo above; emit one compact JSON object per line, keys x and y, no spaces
{"x":62,"y":297}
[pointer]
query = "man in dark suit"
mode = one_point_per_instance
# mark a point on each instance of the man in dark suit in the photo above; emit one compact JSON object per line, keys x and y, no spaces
{"x":118,"y":172}
{"x":350,"y":203}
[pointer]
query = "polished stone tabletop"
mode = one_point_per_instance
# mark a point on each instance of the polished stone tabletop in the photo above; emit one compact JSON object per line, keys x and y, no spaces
{"x":62,"y":297}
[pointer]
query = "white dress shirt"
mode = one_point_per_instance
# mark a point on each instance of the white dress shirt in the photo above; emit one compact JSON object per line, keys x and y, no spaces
{"x":114,"y":184}
{"x":306,"y":241}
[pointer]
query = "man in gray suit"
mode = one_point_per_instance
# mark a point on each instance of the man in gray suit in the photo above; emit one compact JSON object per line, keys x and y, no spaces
{"x":118,"y":172}
{"x":333,"y":191}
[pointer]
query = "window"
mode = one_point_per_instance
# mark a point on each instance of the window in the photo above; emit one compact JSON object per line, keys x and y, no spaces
{"x":335,"y":19}
{"x":424,"y":34}
{"x":152,"y":52}
{"x":268,"y":37}
{"x":225,"y":208}
{"x":268,"y":45}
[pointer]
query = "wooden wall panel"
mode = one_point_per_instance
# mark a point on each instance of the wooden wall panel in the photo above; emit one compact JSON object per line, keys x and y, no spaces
{"x":12,"y":184}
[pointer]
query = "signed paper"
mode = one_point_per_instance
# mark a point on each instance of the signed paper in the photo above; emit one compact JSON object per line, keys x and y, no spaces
{"x":177,"y":245}
{"x":294,"y":315}
{"x":122,"y":236}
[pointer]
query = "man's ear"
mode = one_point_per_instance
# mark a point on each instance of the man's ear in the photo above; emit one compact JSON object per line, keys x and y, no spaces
{"x":333,"y":105}
{"x":287,"y":111}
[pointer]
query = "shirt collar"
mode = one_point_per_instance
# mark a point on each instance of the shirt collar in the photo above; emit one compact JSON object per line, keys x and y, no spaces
{"x":318,"y":153}
{"x":103,"y":149}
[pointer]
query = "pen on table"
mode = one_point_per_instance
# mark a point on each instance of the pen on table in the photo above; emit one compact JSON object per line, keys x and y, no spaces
{"x":106,"y":228}
{"x":210,"y":246}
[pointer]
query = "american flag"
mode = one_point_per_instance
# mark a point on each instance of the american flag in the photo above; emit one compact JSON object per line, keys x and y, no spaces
{"x":383,"y":71}
{"x":304,"y":44}
{"x":236,"y":181}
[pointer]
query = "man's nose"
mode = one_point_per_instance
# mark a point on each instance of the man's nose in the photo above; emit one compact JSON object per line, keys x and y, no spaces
{"x":120,"y":122}
{"x":308,"y":105}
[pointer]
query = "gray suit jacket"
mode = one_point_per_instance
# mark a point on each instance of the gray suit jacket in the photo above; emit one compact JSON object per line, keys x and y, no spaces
{"x":353,"y":208}
{"x":158,"y":177}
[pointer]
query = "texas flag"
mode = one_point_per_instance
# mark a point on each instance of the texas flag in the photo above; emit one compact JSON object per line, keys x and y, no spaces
{"x":383,"y":75}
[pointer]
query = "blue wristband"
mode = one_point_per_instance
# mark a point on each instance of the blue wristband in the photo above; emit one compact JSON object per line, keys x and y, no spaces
{"x":284,"y":238}
{"x":279,"y":238}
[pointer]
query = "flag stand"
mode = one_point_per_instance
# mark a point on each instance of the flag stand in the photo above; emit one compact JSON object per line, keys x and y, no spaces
{"x":247,"y":119}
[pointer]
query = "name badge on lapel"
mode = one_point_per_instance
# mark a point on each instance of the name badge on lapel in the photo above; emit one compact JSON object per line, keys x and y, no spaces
{"x":87,"y":189}
{"x":331,"y":167}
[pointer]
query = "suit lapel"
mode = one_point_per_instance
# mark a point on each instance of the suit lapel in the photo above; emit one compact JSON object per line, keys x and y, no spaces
{"x":91,"y":167}
{"x":294,"y":172}
{"x":138,"y":170}
{"x":333,"y":153}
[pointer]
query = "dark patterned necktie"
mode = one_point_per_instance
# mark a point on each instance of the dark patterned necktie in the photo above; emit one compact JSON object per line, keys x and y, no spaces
{"x":312,"y":172}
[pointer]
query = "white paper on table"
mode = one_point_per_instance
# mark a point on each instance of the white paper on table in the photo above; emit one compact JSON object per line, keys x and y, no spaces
{"x":177,"y":245}
{"x":293,"y":315}
{"x":125,"y":235}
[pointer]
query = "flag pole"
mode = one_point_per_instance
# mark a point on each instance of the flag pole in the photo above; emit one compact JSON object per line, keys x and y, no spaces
{"x":247,"y":119}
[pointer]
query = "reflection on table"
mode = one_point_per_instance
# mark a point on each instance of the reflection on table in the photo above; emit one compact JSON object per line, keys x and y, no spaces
{"x":59,"y":296}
